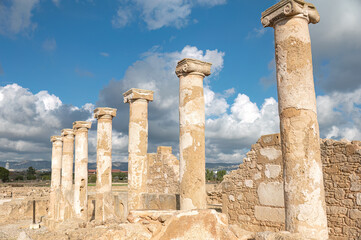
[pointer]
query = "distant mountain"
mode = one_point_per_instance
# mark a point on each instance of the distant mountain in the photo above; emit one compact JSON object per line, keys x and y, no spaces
{"x":123,"y":166}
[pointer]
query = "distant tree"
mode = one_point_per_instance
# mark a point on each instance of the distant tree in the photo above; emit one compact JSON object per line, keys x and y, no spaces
{"x":19,"y":178}
{"x":30,"y":173}
{"x":220,"y":175}
{"x":4,"y":174}
{"x":92,"y":178}
{"x":209,"y":175}
{"x":123,"y":176}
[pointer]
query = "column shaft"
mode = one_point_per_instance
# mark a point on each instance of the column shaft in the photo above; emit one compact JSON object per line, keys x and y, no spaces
{"x":57,"y":151}
{"x":138,"y":144}
{"x":192,"y":139}
{"x":303,"y":177}
{"x":81,"y":170}
{"x":67,"y":174}
{"x":104,"y":208}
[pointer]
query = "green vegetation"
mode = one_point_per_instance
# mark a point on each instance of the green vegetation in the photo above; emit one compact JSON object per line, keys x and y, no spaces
{"x":31,"y":174}
{"x":212,"y":177}
{"x":92,"y":179}
{"x":119,"y":176}
{"x":4,"y":174}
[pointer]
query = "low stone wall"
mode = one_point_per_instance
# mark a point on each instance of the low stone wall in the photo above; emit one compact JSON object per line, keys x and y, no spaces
{"x":7,"y":192}
{"x":252,"y":195}
{"x":163,"y":172}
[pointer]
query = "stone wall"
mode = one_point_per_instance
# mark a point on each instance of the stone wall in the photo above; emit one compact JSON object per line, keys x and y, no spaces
{"x":163,"y":172}
{"x":252,"y":195}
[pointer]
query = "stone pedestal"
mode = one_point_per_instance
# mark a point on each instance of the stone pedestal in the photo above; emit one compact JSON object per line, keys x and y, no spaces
{"x":138,"y":144}
{"x":191,"y":73}
{"x":303,"y":177}
{"x":57,"y":152}
{"x":104,"y":208}
{"x":67,"y":174}
{"x":81,"y":169}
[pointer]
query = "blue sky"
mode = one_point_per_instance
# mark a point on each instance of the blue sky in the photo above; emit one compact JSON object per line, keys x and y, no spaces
{"x":61,"y":59}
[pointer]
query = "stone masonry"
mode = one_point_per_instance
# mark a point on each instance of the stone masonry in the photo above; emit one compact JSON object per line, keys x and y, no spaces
{"x":81,"y":169}
{"x":163,"y":172}
{"x":253,"y":194}
{"x":57,"y":152}
{"x":138,"y":144}
{"x":304,"y":189}
{"x":104,"y":208}
{"x":66,"y":208}
{"x":191,"y":73}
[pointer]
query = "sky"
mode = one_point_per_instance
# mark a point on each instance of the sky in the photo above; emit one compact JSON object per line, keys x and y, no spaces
{"x":59,"y":60}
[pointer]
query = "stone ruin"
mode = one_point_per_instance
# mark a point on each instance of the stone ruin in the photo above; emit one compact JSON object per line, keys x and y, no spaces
{"x":253,"y":195}
{"x":165,"y":201}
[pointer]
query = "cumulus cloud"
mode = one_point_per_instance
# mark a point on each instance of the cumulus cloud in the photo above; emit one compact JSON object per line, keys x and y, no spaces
{"x":15,"y":17}
{"x":339,"y":115}
{"x":158,"y":14}
{"x":28,"y":120}
{"x":336,"y":45}
{"x":230,"y":127}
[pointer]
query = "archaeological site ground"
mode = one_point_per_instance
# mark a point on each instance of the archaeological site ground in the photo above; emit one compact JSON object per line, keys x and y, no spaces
{"x":291,"y":185}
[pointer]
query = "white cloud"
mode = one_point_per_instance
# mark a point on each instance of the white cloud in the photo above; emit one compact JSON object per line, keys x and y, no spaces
{"x":49,"y":44}
{"x":15,"y":17}
{"x":339,"y":115}
{"x":158,"y":14}
{"x":28,"y":120}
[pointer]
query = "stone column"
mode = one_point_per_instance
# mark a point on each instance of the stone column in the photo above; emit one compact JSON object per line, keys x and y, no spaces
{"x":191,"y":73}
{"x":81,"y":169}
{"x":303,"y":176}
{"x":104,"y":208}
{"x":138,"y":144}
{"x":67,"y":174}
{"x":57,"y":152}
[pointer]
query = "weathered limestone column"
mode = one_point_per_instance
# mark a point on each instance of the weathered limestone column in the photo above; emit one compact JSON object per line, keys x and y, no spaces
{"x":303,"y":177}
{"x":57,"y":152}
{"x":81,"y":169}
{"x":138,"y":144}
{"x":191,"y":73}
{"x":104,"y":208}
{"x":67,"y":174}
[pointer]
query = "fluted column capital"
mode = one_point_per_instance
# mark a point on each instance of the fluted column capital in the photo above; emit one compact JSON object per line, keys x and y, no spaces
{"x":193,"y":66}
{"x":67,"y":132}
{"x":105,"y":112}
{"x":134,"y":94}
{"x":81,"y":125}
{"x":288,"y":9}
{"x":56,"y":138}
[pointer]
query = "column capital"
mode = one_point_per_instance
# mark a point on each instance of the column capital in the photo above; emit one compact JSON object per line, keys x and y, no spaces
{"x":56,"y":138}
{"x":135,"y":93}
{"x":287,"y":9}
{"x":81,"y":124}
{"x":67,"y":131}
{"x":104,"y":111}
{"x":190,"y":65}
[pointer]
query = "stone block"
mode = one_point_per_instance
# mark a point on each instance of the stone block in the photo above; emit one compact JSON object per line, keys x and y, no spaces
{"x":270,"y":214}
{"x":271,"y":194}
{"x":355,"y":214}
{"x":155,"y":201}
{"x":270,"y":153}
{"x":334,"y":210}
{"x":358,"y":198}
{"x":272,"y":171}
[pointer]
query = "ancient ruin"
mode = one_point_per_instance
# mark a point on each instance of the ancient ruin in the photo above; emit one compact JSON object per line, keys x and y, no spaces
{"x":291,"y":185}
{"x":81,"y":169}
{"x":304,"y":190}
{"x":66,"y":204}
{"x":191,"y":133}
{"x":57,"y":152}
{"x":138,"y":144}
{"x":104,"y":208}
